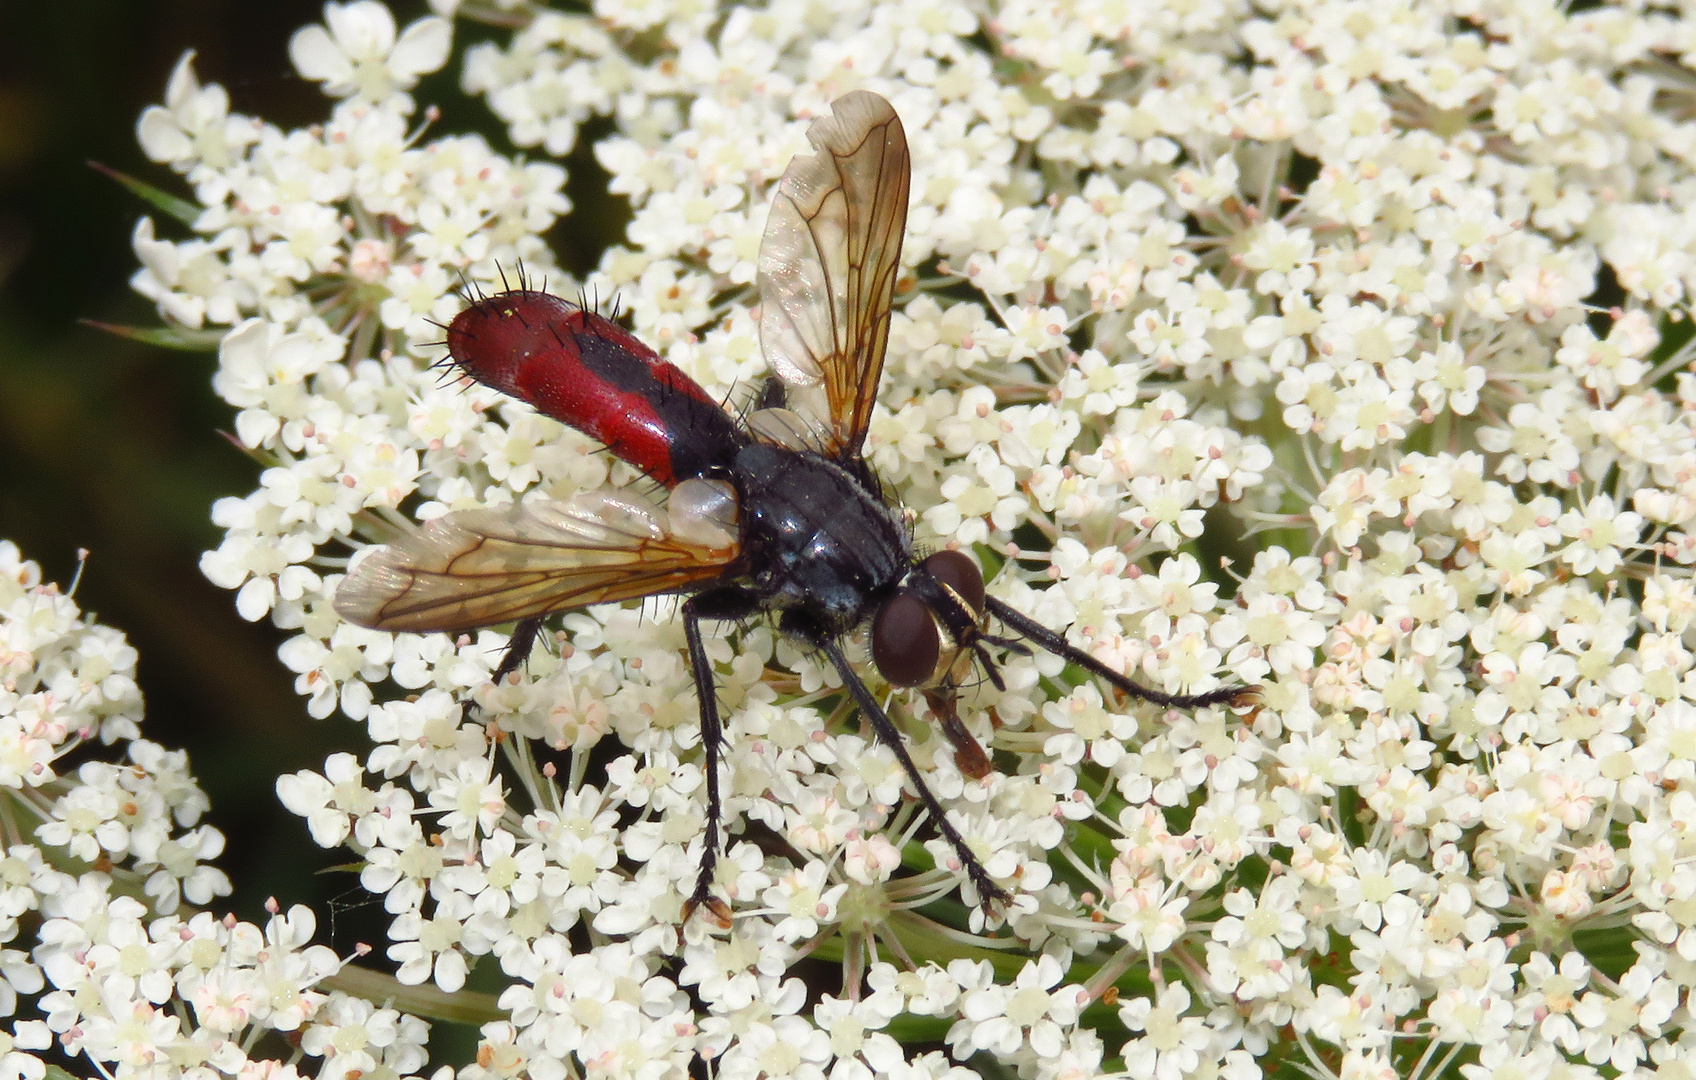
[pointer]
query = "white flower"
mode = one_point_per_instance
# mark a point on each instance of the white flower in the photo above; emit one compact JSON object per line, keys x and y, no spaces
{"x":194,"y":131}
{"x":1171,"y":1043}
{"x":1030,"y":1011}
{"x":358,"y":53}
{"x":1600,"y":531}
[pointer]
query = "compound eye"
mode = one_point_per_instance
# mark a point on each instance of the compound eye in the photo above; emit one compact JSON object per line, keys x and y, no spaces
{"x":905,"y":642}
{"x":956,"y":570}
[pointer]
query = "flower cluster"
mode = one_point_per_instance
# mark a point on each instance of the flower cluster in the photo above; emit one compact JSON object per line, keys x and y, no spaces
{"x":99,"y":859}
{"x":1328,"y":345}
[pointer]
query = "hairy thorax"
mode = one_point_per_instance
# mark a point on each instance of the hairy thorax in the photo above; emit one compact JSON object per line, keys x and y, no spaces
{"x":824,"y":545}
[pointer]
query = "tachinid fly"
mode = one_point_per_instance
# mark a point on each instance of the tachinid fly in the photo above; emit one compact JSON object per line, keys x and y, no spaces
{"x":773,"y":514}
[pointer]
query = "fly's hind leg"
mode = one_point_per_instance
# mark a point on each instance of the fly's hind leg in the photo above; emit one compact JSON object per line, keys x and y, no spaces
{"x":517,"y":648}
{"x":717,"y":605}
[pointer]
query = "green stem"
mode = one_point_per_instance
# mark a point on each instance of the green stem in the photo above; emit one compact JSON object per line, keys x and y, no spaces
{"x":459,"y":1007}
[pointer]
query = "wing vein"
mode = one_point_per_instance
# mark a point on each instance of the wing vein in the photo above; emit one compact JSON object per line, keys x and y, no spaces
{"x":830,"y":260}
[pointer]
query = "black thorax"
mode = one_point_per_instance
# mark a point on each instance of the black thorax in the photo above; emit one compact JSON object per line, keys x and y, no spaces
{"x":815,"y":539}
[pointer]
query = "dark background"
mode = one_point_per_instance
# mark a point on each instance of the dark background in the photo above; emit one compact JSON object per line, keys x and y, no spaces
{"x":114,"y":446}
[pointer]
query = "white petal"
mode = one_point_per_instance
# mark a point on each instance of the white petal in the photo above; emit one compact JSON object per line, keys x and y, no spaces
{"x":303,"y":792}
{"x":450,"y":971}
{"x":255,"y":426}
{"x":316,"y":56}
{"x":255,"y":598}
{"x":190,"y":311}
{"x":183,"y":84}
{"x":246,"y":346}
{"x":159,"y":256}
{"x":356,"y":699}
{"x":206,"y":109}
{"x":328,"y":827}
{"x":364,"y":29}
{"x":414,"y":971}
{"x":161,"y":137}
{"x":423,"y":48}
{"x":224,"y":571}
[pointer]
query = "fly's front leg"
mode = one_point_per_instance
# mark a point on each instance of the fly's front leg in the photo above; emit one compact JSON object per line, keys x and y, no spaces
{"x":890,"y":736}
{"x":718,"y":605}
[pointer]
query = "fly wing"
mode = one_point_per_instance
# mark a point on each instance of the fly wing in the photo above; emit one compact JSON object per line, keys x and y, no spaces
{"x":829,"y":259}
{"x":480,"y":567}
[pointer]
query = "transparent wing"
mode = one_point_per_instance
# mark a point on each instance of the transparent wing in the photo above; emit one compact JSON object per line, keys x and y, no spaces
{"x":479,"y":567}
{"x":829,"y":260}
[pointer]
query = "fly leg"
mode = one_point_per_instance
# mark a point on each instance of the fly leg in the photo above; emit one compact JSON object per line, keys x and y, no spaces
{"x":518,"y":648}
{"x":988,"y":890}
{"x":517,"y":651}
{"x":718,"y":605}
{"x":773,"y":394}
{"x":1059,"y":646}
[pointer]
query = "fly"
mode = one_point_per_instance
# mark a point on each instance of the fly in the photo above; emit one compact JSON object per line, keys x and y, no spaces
{"x":777,"y":514}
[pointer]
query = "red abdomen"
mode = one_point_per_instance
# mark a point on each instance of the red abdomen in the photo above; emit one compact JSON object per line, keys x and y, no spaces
{"x":585,"y":370}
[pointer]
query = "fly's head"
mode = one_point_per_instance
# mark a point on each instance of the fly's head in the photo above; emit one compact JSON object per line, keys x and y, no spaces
{"x":926,"y":634}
